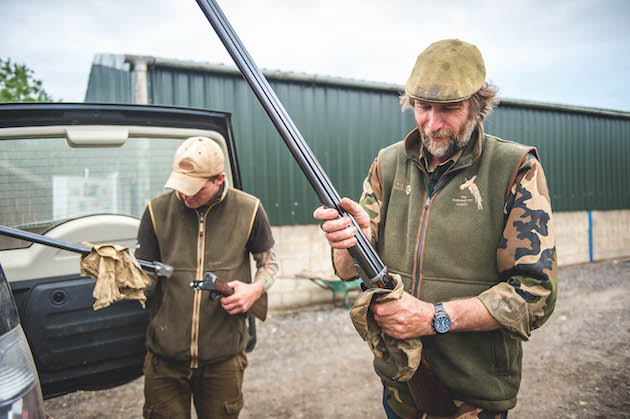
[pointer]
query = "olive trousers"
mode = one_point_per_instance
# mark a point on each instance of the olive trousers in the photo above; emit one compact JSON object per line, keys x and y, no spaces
{"x":215,"y":388}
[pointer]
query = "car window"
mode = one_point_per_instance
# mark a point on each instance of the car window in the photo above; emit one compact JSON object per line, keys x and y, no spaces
{"x":45,"y":182}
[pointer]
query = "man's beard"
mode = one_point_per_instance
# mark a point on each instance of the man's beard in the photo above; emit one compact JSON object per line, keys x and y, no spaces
{"x":452,"y":143}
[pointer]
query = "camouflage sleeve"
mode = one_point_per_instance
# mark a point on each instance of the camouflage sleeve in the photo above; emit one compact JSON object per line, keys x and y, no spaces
{"x":266,"y":267}
{"x":526,"y":257}
{"x":372,"y":198}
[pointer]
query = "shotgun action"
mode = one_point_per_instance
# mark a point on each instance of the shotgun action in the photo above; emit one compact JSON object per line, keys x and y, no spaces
{"x":218,"y":288}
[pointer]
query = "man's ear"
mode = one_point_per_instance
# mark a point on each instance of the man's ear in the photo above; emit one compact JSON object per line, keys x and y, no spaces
{"x":221,"y":178}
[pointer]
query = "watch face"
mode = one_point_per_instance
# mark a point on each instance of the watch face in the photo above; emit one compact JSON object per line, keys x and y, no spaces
{"x":442,"y":324}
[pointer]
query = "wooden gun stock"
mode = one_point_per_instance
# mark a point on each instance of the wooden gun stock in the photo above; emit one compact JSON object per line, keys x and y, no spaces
{"x":258,"y":309}
{"x":428,"y":393}
{"x":214,"y":284}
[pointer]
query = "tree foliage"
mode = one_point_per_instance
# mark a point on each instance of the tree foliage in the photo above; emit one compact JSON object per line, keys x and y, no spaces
{"x":18,"y":84}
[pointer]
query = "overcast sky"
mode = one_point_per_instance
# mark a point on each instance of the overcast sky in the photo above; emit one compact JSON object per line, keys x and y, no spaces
{"x":574,"y":52}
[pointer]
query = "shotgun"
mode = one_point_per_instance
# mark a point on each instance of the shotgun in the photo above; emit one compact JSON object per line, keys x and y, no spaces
{"x":429,"y":394}
{"x":218,"y":288}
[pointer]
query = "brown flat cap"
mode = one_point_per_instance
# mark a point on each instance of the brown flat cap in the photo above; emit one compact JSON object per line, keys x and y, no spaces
{"x":447,"y":71}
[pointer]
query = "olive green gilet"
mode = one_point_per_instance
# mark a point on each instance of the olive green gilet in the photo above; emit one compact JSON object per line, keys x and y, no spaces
{"x":445,"y":247}
{"x":187,"y":324}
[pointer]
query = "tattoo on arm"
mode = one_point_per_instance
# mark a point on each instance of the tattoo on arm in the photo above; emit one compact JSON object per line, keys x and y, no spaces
{"x":266,"y":267}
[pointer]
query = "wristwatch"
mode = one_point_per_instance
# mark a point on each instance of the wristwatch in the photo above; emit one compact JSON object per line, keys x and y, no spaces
{"x":441,"y":321}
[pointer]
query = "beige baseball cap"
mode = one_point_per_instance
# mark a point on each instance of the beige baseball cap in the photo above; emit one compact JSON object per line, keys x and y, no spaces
{"x":196,"y":160}
{"x":450,"y":70}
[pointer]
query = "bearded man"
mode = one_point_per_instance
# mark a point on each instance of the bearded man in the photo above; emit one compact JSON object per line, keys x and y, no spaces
{"x":465,"y":219}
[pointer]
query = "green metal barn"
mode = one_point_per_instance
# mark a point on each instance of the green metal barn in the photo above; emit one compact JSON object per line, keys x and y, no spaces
{"x":584,"y":150}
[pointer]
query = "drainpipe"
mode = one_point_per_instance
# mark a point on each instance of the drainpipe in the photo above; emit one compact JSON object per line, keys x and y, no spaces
{"x":140,"y":85}
{"x":590,"y":236}
{"x":140,"y":97}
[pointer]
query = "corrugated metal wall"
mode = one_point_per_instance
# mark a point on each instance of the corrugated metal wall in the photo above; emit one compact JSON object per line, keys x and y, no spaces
{"x":325,"y":115}
{"x":109,"y":85}
{"x":583,"y":152}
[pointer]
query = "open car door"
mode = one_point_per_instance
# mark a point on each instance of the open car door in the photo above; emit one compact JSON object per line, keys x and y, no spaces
{"x":85,"y":172}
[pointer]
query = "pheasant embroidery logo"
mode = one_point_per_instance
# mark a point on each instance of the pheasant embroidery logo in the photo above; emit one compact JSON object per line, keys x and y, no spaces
{"x":474,"y":191}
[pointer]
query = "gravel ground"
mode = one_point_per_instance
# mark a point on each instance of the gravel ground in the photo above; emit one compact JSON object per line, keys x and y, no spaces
{"x":312,"y":364}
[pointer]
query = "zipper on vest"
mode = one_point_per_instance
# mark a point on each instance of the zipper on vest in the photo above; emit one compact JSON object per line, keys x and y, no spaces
{"x":431,"y":192}
{"x":194,"y":332}
{"x":194,"y":347}
{"x":421,"y":246}
{"x":424,"y":222}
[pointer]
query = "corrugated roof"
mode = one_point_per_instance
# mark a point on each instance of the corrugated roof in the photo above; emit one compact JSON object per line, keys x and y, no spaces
{"x":330,"y":80}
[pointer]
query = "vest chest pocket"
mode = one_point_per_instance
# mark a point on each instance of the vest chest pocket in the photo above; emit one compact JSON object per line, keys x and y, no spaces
{"x":217,"y":259}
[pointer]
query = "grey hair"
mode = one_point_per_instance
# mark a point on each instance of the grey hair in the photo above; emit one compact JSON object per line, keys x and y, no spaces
{"x":481,"y":103}
{"x":484,"y":101}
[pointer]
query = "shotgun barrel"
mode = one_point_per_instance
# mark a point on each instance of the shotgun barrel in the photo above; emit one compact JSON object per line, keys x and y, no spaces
{"x":369,"y":265}
{"x":158,"y":268}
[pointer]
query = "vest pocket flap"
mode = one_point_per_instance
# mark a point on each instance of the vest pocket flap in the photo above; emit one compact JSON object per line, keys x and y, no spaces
{"x":217,"y":266}
{"x":442,"y":289}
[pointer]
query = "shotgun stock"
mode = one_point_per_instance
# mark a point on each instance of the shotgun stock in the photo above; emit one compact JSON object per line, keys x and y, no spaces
{"x":429,"y":394}
{"x":219,"y":288}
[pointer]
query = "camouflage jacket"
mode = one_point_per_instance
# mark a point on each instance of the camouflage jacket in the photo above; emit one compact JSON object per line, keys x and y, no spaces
{"x":526,"y":298}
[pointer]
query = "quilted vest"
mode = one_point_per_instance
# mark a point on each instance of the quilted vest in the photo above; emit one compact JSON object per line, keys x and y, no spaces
{"x":444,"y":246}
{"x":186,"y":324}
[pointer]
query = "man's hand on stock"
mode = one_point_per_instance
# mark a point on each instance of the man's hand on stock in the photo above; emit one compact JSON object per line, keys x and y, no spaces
{"x":244,"y":296}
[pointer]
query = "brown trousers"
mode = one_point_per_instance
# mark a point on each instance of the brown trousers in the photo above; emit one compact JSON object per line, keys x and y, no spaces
{"x":215,"y":388}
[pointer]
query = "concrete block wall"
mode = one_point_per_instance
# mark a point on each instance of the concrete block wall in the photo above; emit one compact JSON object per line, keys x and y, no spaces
{"x":304,"y":247}
{"x":611,"y":234}
{"x":572,"y":237}
{"x":582,"y":237}
{"x":299,"y":248}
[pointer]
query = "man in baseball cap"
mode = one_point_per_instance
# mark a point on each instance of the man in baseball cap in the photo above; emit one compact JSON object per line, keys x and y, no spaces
{"x":197,"y":173}
{"x":465,"y":219}
{"x":196,"y":345}
{"x":196,"y":160}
